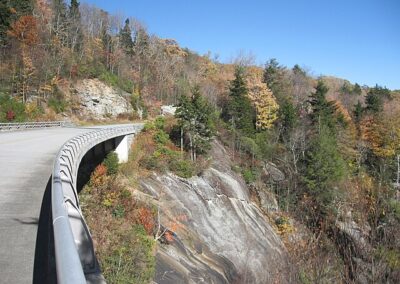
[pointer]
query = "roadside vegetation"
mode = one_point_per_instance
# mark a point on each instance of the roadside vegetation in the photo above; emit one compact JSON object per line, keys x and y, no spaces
{"x":121,"y":226}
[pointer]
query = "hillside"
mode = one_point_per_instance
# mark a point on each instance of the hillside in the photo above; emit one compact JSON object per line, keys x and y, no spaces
{"x":265,"y":173}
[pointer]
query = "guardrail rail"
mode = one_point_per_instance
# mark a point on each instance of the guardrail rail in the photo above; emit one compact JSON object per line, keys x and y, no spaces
{"x":13,"y":126}
{"x":74,"y":252}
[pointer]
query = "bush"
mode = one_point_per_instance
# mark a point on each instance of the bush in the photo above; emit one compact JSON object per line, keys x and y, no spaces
{"x":148,"y":126}
{"x":161,"y":137}
{"x":111,"y":162}
{"x":115,"y":81}
{"x":11,"y":109}
{"x":159,"y":123}
{"x":249,"y":176}
{"x":182,"y":168}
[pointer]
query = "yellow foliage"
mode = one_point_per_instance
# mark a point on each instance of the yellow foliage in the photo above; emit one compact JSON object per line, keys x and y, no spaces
{"x":284,"y":226}
{"x":266,"y":106}
{"x":382,"y":135}
{"x":264,"y":101}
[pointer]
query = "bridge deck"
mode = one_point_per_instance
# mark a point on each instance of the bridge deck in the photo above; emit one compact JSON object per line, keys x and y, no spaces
{"x":26,"y":162}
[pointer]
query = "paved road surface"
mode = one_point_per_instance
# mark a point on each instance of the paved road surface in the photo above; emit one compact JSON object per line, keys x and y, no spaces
{"x":26,"y":161}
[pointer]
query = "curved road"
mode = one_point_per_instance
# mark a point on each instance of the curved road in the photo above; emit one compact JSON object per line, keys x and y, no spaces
{"x":26,"y":163}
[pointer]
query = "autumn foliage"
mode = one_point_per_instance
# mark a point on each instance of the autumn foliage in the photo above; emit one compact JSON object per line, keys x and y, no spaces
{"x":25,"y":30}
{"x":146,"y":218}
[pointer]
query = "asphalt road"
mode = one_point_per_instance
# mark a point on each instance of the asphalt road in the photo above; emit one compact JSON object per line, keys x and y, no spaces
{"x":26,"y":162}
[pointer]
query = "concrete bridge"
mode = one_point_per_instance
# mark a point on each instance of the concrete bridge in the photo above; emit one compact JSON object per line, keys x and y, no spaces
{"x":43,"y":236}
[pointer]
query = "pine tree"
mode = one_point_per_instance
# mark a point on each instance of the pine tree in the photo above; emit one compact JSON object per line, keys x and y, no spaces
{"x":375,"y":97}
{"x":324,"y":167}
{"x":126,"y":38}
{"x":287,"y":117}
{"x":240,"y":110}
{"x":322,"y":110}
{"x":275,"y":79}
{"x":194,"y":117}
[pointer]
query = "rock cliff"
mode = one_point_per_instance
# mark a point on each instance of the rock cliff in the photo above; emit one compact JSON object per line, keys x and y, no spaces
{"x":100,"y":101}
{"x":219,"y":234}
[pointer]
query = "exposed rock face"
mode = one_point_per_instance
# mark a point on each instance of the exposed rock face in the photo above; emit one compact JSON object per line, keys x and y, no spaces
{"x":100,"y":101}
{"x":222,"y":237}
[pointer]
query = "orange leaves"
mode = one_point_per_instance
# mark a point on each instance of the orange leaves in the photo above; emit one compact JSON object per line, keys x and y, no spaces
{"x":25,"y":30}
{"x":146,"y":218}
{"x":99,"y":176}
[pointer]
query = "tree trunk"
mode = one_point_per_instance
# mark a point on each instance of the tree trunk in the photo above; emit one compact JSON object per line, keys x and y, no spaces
{"x":191,"y":147}
{"x":181,"y":142}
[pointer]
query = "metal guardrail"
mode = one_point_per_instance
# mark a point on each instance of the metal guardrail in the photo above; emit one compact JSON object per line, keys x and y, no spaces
{"x":32,"y":125}
{"x":74,"y":252}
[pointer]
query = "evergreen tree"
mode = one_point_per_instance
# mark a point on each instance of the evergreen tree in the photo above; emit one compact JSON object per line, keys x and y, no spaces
{"x":287,"y":117}
{"x":126,"y":38}
{"x":322,"y":110}
{"x":274,"y":78}
{"x":194,"y":117}
{"x":324,"y":167}
{"x":375,"y":97}
{"x":240,"y":110}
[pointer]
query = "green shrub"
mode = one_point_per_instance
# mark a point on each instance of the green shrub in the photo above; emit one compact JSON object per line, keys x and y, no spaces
{"x":161,"y":137}
{"x":182,"y":168}
{"x":148,"y":126}
{"x":57,"y":104}
{"x":249,"y":176}
{"x":119,"y":211}
{"x":111,"y":162}
{"x":115,"y":81}
{"x":159,"y":123}
{"x":125,"y":194}
{"x":11,"y":109}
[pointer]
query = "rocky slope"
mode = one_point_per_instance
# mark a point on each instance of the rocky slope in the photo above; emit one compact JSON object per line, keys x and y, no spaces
{"x":219,"y":234}
{"x":100,"y":101}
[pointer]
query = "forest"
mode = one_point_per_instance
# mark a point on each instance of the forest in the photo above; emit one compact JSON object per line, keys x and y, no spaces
{"x":337,"y":142}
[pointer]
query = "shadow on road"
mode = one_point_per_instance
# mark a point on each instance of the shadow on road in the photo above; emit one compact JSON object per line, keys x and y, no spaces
{"x":44,"y":270}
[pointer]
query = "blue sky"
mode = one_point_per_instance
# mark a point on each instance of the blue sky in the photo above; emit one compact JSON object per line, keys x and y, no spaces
{"x":358,"y":40}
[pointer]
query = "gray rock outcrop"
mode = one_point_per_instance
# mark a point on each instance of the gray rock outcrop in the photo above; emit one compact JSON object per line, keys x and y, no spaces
{"x":100,"y":101}
{"x":222,"y":237}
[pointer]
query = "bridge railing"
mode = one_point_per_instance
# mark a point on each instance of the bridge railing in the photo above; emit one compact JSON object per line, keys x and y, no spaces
{"x":32,"y":125}
{"x":74,"y":253}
